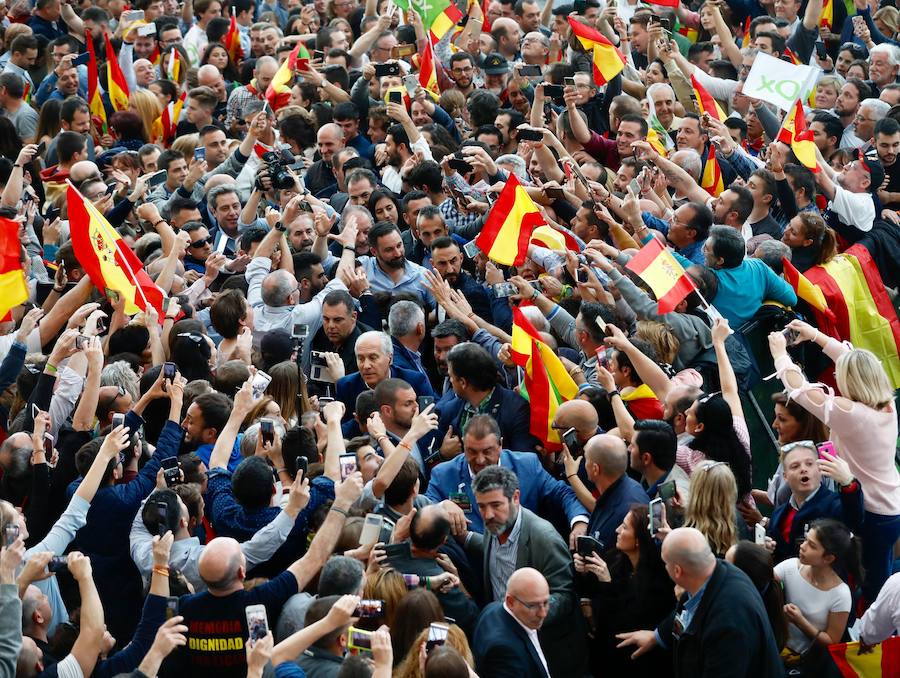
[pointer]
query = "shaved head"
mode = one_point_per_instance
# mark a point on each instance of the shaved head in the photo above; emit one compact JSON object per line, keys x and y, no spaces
{"x":609,"y":453}
{"x":687,"y":548}
{"x":222,"y":565}
{"x":528,"y":597}
{"x":578,"y":413}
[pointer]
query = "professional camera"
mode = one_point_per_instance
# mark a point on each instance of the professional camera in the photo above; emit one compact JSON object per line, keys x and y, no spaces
{"x":278,"y":169}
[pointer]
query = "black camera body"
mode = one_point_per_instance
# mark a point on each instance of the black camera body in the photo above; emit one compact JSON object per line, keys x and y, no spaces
{"x":278,"y":170}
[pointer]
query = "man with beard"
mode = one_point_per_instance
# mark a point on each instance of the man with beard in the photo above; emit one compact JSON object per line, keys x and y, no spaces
{"x":887,"y":145}
{"x":319,"y":178}
{"x":225,"y":207}
{"x":851,"y":95}
{"x":516,"y":538}
{"x":388,"y":269}
{"x":445,"y":336}
{"x":462,"y":72}
{"x":827,"y":131}
{"x":301,"y":234}
{"x":447,"y":259}
{"x":397,"y":406}
{"x":496,"y":74}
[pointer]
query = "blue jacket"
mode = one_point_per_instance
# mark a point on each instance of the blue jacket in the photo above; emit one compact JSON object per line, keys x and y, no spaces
{"x":349,"y":387}
{"x":502,"y":648}
{"x":407,"y":360}
{"x":477,"y":296}
{"x":612,"y":507}
{"x":846,"y":506}
{"x":540,"y":492}
{"x":507,"y":407}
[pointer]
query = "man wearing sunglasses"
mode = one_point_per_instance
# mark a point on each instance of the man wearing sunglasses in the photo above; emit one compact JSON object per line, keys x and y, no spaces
{"x":199,"y":248}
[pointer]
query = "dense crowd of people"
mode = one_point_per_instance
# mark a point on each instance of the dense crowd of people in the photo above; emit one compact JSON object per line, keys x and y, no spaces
{"x":295,"y":433}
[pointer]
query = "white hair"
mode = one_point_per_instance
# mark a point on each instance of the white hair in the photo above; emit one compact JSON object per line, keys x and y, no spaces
{"x":688,"y":160}
{"x":890,"y":51}
{"x":516,"y":164}
{"x":404,"y":317}
{"x":658,"y":87}
{"x":877,"y":106}
{"x":387,"y":348}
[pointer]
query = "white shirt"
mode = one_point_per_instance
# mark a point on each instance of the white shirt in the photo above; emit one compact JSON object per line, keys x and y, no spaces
{"x":883,"y":618}
{"x":853,"y":209}
{"x":814,"y":603}
{"x":532,"y":636}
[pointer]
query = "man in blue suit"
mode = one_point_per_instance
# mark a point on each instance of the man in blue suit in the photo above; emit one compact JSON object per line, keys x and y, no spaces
{"x":373,"y":358}
{"x":406,"y":324}
{"x":540,"y":492}
{"x":505,"y":643}
{"x":473,"y":378}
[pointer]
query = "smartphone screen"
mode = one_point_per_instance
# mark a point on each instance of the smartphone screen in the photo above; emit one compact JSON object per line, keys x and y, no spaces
{"x":267,"y":431}
{"x":371,"y":529}
{"x":656,"y":515}
{"x":347,"y":465}
{"x":257,"y":622}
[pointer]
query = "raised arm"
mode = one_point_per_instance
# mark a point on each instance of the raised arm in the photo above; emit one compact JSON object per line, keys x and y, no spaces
{"x":243,"y":403}
{"x":720,"y":332}
{"x":86,"y":649}
{"x":339,"y":616}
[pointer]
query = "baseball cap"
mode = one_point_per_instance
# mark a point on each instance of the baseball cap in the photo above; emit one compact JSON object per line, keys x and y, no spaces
{"x":872,"y":165}
{"x":495,"y":64}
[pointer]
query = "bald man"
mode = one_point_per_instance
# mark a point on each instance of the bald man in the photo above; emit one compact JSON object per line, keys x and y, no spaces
{"x":320,"y":179}
{"x":263,"y":72}
{"x":216,"y":619}
{"x":506,"y":639}
{"x":606,"y":463}
{"x":720,"y":627}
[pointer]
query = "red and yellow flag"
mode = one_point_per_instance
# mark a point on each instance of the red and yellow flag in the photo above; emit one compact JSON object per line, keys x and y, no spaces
{"x":705,"y":101}
{"x":805,"y":290}
{"x":278,"y":93}
{"x":427,"y":72}
{"x":711,"y":181}
{"x":745,"y":40}
{"x":444,"y":21}
{"x":169,"y":119}
{"x":232,"y":41}
{"x":507,"y":231}
{"x":883,"y":661}
{"x":796,"y":135}
{"x":95,"y":100}
{"x":173,"y":69}
{"x":546,"y":385}
{"x":663,"y":274}
{"x":13,"y":290}
{"x":106,"y":258}
{"x":608,"y":60}
{"x":116,"y":83}
{"x":826,"y":18}
{"x":789,"y":56}
{"x":664,"y":3}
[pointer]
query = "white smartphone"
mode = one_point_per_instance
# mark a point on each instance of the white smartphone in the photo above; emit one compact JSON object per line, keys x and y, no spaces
{"x":222,"y":243}
{"x":760,"y":534}
{"x":371,"y":529}
{"x":257,"y":622}
{"x":656,"y":515}
{"x":260,"y":383}
{"x":146,"y":29}
{"x":411,"y":82}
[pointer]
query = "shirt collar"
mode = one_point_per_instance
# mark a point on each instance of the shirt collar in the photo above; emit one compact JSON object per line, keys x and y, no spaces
{"x":793,"y":502}
{"x":531,"y":632}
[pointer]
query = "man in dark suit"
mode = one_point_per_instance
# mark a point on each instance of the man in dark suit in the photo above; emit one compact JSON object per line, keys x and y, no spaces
{"x":473,"y":377}
{"x":505,"y":643}
{"x":515,"y":538}
{"x":720,"y":627}
{"x":374,"y":353}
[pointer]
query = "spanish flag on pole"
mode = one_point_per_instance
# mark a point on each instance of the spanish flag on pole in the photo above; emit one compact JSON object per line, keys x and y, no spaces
{"x":169,"y":118}
{"x":711,"y":180}
{"x":428,"y":74}
{"x":795,"y":134}
{"x":232,"y":40}
{"x":663,"y":274}
{"x":95,"y":101}
{"x":705,"y":101}
{"x":507,"y":231}
{"x":118,"y":87}
{"x":106,"y":258}
{"x":883,"y":661}
{"x":826,"y":18}
{"x":278,"y":93}
{"x":608,"y":60}
{"x":546,"y":385}
{"x":13,"y":290}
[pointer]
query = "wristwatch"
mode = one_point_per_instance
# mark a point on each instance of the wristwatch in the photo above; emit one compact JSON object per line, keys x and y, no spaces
{"x":280,"y":227}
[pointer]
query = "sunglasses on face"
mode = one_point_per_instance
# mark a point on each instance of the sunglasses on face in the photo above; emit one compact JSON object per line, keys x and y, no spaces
{"x":208,"y":240}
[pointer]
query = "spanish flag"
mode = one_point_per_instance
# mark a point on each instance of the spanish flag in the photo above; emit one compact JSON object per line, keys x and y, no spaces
{"x":795,"y":134}
{"x":106,"y":258}
{"x":438,"y":16}
{"x":860,"y":308}
{"x":546,"y":385}
{"x":428,"y":74}
{"x":118,"y":87}
{"x":608,"y":60}
{"x":790,"y":57}
{"x":805,"y":290}
{"x":690,"y":33}
{"x":278,"y":93}
{"x":232,"y":40}
{"x":95,"y":100}
{"x":711,"y":181}
{"x":826,"y":18}
{"x":507,"y":231}
{"x":663,"y":274}
{"x":169,"y":119}
{"x":13,"y":290}
{"x":745,"y":40}
{"x":173,"y":69}
{"x":705,"y":101}
{"x":883,"y":661}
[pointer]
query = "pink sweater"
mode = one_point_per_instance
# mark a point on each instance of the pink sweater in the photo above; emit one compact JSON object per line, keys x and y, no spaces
{"x":863,"y":437}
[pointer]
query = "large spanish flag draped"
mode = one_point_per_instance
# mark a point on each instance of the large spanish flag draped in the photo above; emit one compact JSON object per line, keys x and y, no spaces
{"x":608,"y":60}
{"x":13,"y":290}
{"x":663,"y":274}
{"x":95,"y":100}
{"x":805,"y":290}
{"x":705,"y":101}
{"x":860,"y":308}
{"x":106,"y":258}
{"x":546,"y":385}
{"x":507,"y":231}
{"x":711,"y":181}
{"x":882,"y":662}
{"x":795,"y":134}
{"x":232,"y":41}
{"x":278,"y":94}
{"x":116,"y":84}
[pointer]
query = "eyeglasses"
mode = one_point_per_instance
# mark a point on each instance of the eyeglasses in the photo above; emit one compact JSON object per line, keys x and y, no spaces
{"x":208,"y":240}
{"x":540,"y":605}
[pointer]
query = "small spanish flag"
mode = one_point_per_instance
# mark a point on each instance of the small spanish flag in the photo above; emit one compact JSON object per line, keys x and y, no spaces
{"x":95,"y":101}
{"x":663,"y":274}
{"x":705,"y":101}
{"x":278,"y":94}
{"x":795,"y":134}
{"x":789,"y":56}
{"x":711,"y":181}
{"x":232,"y":41}
{"x":826,"y":18}
{"x":745,"y":41}
{"x":13,"y":290}
{"x":507,"y":231}
{"x":881,"y":662}
{"x":428,"y":74}
{"x":810,"y":293}
{"x":173,"y":68}
{"x":118,"y":86}
{"x":169,"y":119}
{"x":608,"y":60}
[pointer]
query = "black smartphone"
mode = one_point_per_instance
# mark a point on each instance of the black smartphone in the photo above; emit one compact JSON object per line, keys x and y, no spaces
{"x":554,"y":193}
{"x":40,"y":151}
{"x":424,"y":401}
{"x":57,"y":563}
{"x":82,"y":59}
{"x":666,"y":25}
{"x":553,"y":91}
{"x":169,"y":371}
{"x":369,"y":608}
{"x":570,"y":439}
{"x":162,"y":518}
{"x":401,"y":550}
{"x":820,"y":50}
{"x":158,"y":178}
{"x":382,"y":70}
{"x":302,"y":464}
{"x":529,"y":135}
{"x":110,"y":189}
{"x":171,"y":607}
{"x":666,"y":491}
{"x":267,"y":431}
{"x":569,"y":82}
{"x":585,"y":545}
{"x":395,"y":97}
{"x":530,"y":71}
{"x":318,"y":54}
{"x":80,"y":341}
{"x":581,"y":276}
{"x":460,"y":165}
{"x":171,"y":472}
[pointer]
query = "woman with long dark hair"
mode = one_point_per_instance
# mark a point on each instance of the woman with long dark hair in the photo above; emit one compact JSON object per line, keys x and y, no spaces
{"x":811,"y":241}
{"x":383,"y":206}
{"x":756,"y":563}
{"x":630,"y":591}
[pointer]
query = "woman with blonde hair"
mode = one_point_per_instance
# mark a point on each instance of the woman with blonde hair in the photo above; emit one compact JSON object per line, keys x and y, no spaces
{"x":288,"y":390}
{"x":146,"y":105}
{"x":663,"y":340}
{"x":389,"y":586}
{"x":413,"y":664}
{"x":863,"y":423}
{"x":711,"y":505}
{"x":185,"y":146}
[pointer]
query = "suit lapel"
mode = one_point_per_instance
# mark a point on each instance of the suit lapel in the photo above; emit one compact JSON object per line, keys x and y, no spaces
{"x":523,"y":636}
{"x":523,"y":547}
